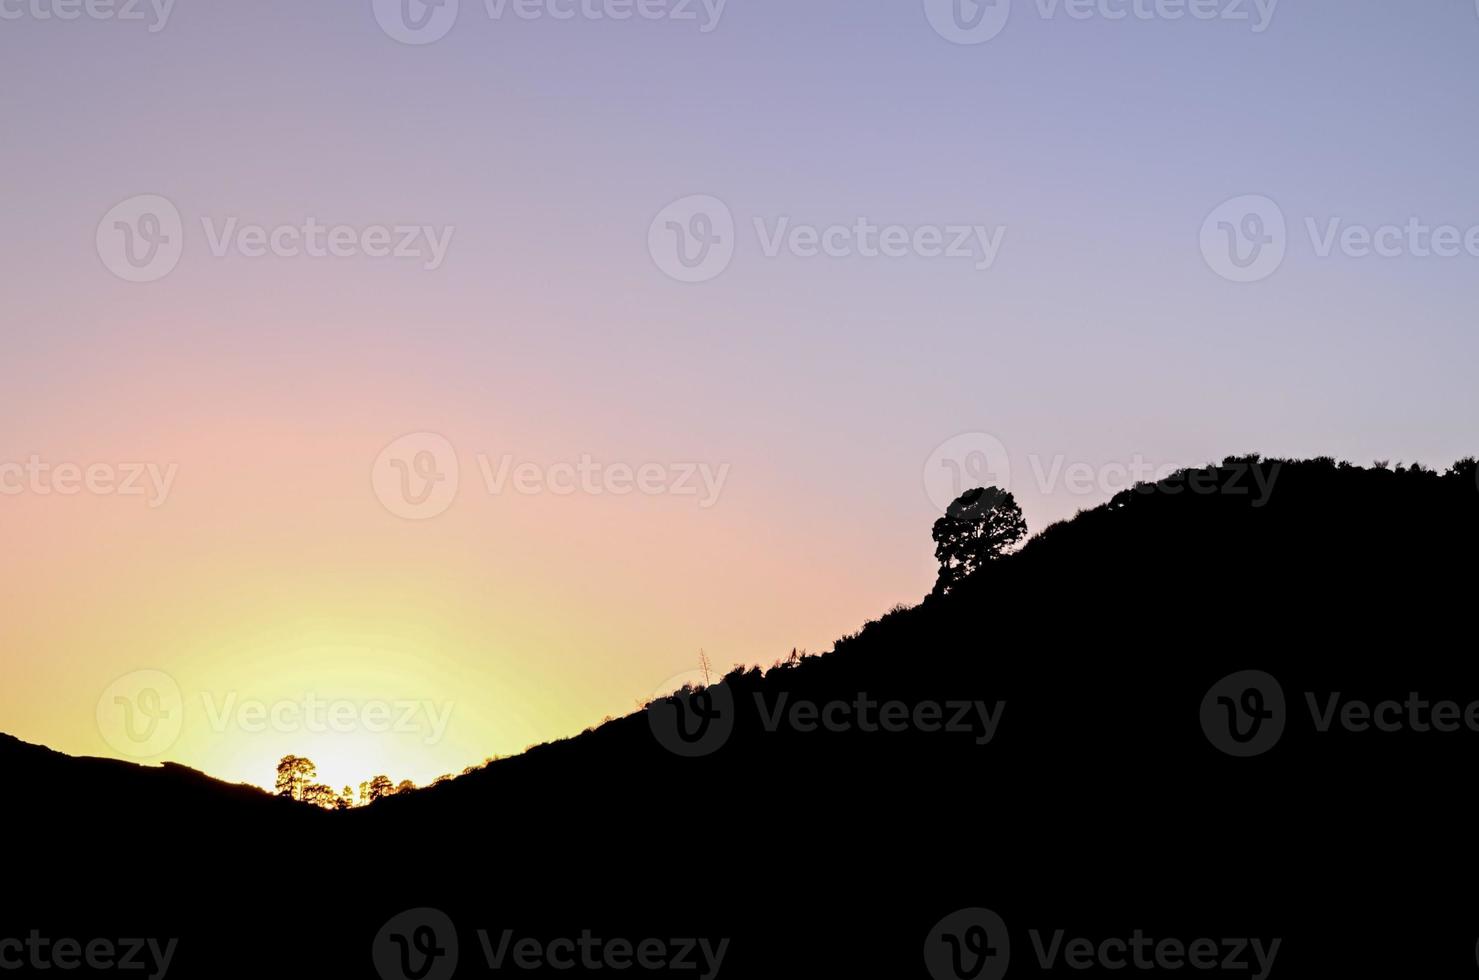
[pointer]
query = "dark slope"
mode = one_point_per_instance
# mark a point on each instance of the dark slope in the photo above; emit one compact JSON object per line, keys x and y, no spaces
{"x":51,"y":785}
{"x":1098,"y":805}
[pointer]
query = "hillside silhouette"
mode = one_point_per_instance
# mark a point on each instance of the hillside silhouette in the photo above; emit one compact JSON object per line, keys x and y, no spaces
{"x":1077,"y":748}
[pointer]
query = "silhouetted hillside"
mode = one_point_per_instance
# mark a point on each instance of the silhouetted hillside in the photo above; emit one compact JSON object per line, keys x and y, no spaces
{"x":1066,"y":739}
{"x":52,"y":783}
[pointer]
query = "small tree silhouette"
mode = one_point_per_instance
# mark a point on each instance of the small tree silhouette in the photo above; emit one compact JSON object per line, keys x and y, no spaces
{"x":978,"y":527}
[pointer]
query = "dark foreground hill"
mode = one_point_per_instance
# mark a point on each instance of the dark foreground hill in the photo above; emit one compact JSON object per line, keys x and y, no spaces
{"x":1224,"y":724}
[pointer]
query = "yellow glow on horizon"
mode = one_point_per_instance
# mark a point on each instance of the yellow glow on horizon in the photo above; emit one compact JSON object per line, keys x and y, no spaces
{"x":274,"y":576}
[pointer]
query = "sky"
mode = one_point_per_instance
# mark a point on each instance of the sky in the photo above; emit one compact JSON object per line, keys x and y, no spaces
{"x":401,"y":395}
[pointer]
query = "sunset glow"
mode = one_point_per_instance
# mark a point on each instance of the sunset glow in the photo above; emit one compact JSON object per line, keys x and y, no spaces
{"x":745,"y":462}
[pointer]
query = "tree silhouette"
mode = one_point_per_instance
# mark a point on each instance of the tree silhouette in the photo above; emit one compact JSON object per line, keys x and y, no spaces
{"x":320,"y":795}
{"x":380,"y":787}
{"x":979,"y":526}
{"x":293,"y":773}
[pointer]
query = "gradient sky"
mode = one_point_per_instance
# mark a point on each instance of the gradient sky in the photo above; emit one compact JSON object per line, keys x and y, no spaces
{"x":272,"y":572}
